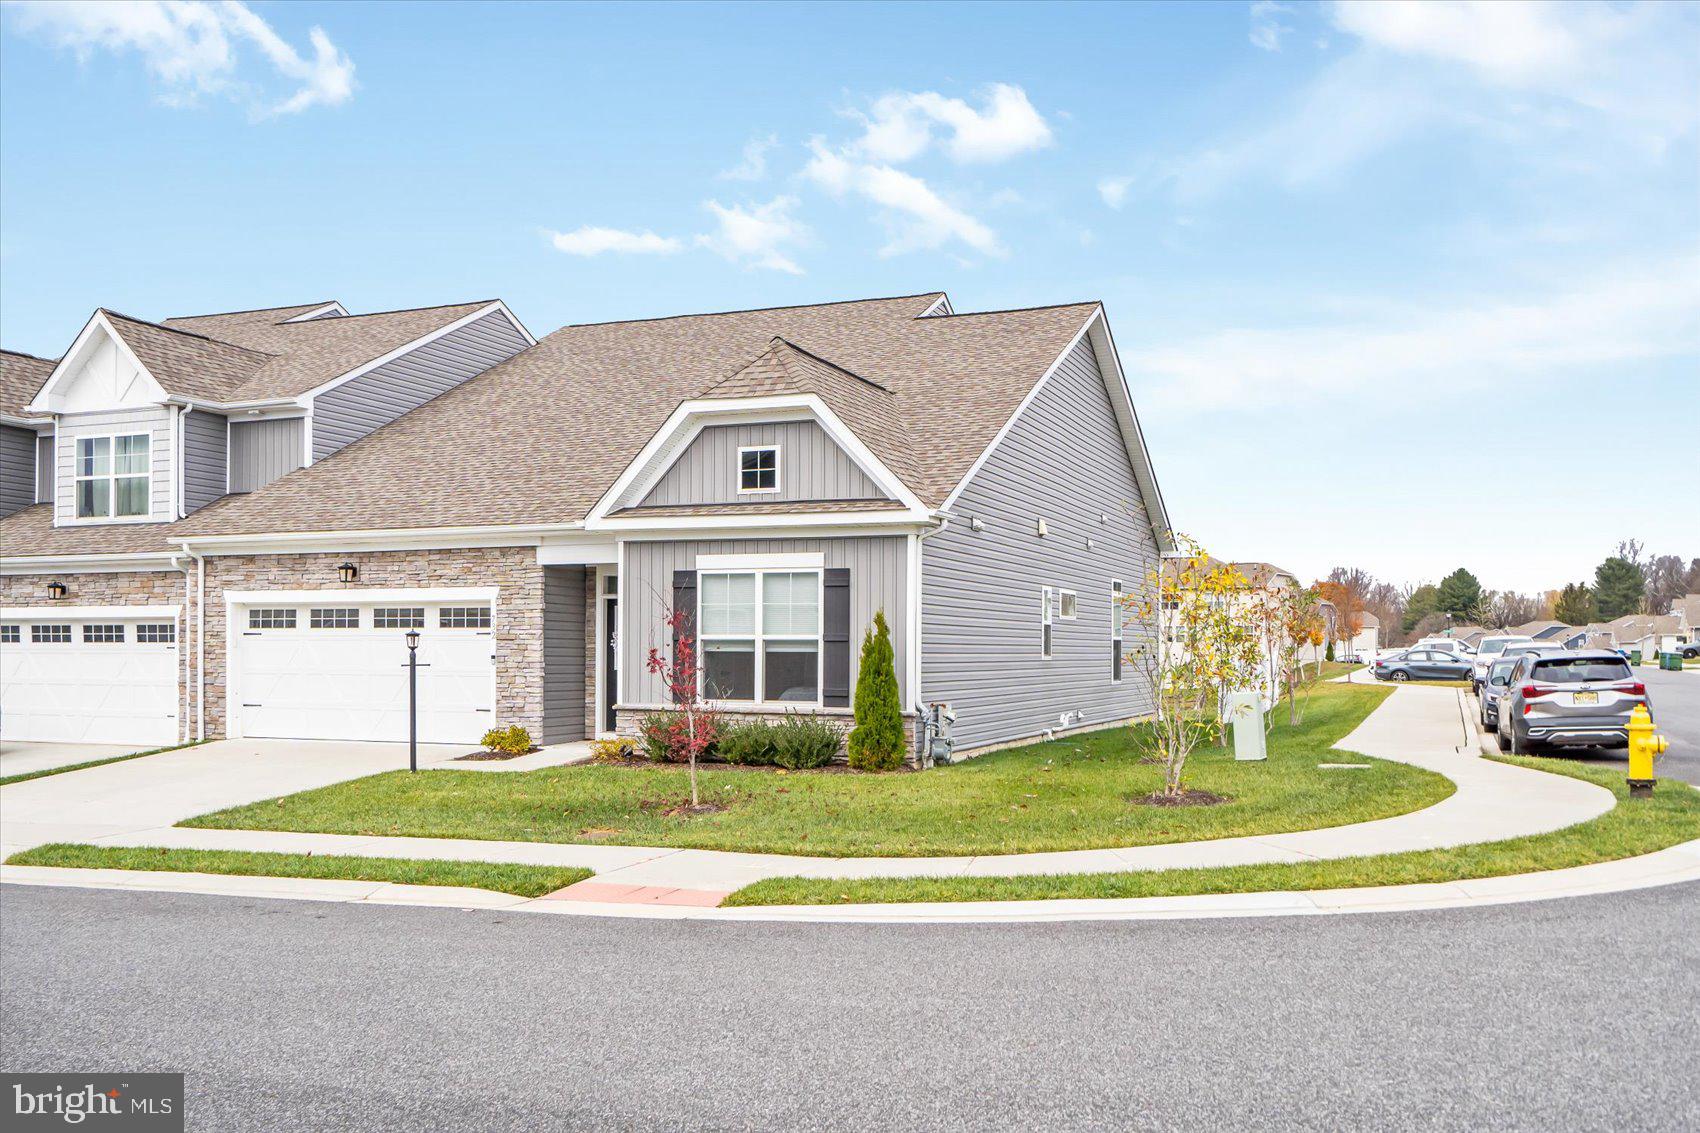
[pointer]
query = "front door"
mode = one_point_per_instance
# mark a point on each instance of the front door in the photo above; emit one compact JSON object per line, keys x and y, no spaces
{"x":610,"y":661}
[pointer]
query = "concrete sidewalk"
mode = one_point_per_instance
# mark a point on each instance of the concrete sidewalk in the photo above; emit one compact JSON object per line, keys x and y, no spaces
{"x":1421,"y":726}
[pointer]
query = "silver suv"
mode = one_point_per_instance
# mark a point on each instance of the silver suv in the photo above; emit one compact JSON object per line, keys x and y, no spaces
{"x":1574,"y":698}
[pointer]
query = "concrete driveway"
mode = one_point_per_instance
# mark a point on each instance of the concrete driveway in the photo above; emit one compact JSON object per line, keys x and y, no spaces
{"x":24,"y":756}
{"x":159,"y":790}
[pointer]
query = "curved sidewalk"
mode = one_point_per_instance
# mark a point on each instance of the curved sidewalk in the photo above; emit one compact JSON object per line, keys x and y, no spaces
{"x":1421,"y":726}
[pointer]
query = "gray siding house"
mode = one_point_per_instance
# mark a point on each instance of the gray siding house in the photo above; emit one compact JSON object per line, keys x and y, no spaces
{"x":536,"y":512}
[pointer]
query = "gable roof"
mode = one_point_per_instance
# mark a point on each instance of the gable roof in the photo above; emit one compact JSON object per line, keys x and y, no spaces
{"x":187,"y":364}
{"x":21,"y":375}
{"x":557,"y":424}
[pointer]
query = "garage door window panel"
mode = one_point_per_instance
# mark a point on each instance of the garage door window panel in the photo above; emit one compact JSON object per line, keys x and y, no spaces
{"x":271,"y":618}
{"x":50,"y":634}
{"x":162,"y":633}
{"x":10,"y":635}
{"x":464,"y":617}
{"x":398,"y":617}
{"x":103,"y":635}
{"x":334,"y":617}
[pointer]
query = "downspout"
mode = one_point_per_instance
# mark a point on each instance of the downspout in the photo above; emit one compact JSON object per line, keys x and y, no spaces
{"x":924,"y":721}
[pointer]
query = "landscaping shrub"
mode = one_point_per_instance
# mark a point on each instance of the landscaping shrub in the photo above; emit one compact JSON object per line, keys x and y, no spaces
{"x":665,"y":735}
{"x":508,"y":741}
{"x":876,"y":743}
{"x":614,"y":750}
{"x":1330,"y":654}
{"x":801,"y":742}
{"x":749,"y":744}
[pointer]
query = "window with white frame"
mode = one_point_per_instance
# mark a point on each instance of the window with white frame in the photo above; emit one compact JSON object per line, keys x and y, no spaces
{"x":1117,"y":622}
{"x":761,"y":635}
{"x":112,"y":476}
{"x":758,"y":469}
{"x":1068,"y":605}
{"x":1047,"y":606}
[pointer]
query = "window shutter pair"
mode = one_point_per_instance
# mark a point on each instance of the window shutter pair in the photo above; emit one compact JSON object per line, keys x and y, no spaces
{"x":835,"y":630}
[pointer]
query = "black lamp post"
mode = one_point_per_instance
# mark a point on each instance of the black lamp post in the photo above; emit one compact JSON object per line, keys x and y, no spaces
{"x":347,"y":572}
{"x":413,"y":700}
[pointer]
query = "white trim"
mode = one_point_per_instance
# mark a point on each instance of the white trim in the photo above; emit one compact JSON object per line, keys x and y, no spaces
{"x":123,"y":563}
{"x":380,"y":539}
{"x":1117,"y":640}
{"x":111,"y":477}
{"x":409,"y":347}
{"x":599,"y":553}
{"x":870,"y":522}
{"x":1047,"y":621}
{"x":912,"y":627}
{"x":691,"y":417}
{"x":179,"y":429}
{"x":309,"y":316}
{"x":71,"y":362}
{"x":1062,"y":605}
{"x":933,"y":309}
{"x":778,"y":457}
{"x":803,"y":560}
{"x":357,"y":596}
{"x":600,"y":703}
{"x":84,"y":613}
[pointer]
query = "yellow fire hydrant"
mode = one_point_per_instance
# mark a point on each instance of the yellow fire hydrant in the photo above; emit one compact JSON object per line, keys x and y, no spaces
{"x":1645,"y":745}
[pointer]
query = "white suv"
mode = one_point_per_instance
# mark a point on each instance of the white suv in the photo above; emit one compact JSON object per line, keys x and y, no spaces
{"x":1488,"y":650}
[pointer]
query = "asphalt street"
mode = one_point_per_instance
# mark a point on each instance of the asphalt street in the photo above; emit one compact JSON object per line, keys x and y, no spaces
{"x":1676,"y":712}
{"x":1569,"y":1014}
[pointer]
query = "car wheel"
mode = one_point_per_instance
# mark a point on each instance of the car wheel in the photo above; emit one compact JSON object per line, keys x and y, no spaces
{"x":1400,"y":675}
{"x":1519,"y":745}
{"x":1499,"y":738}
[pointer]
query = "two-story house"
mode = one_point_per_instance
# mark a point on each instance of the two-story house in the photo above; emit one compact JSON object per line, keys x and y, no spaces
{"x":780,"y":475}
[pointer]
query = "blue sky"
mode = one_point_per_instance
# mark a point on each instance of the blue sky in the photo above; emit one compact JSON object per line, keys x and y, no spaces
{"x":1373,"y":269}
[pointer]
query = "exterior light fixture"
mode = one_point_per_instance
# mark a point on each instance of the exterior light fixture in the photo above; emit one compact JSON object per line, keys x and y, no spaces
{"x":347,"y":572}
{"x":975,"y":523}
{"x":413,"y":700}
{"x":413,"y":639}
{"x":56,"y":590}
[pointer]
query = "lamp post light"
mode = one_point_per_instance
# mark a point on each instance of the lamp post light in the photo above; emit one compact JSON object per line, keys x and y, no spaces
{"x":413,"y":700}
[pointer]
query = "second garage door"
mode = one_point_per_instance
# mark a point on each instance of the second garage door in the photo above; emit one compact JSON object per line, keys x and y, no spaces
{"x":336,"y":669}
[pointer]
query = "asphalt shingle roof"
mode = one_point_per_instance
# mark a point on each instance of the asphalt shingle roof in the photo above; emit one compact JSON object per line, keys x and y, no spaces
{"x":541,"y":437}
{"x":21,"y":376}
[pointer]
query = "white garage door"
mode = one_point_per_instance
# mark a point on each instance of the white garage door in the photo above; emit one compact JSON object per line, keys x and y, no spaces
{"x":92,"y":675}
{"x":336,"y":669}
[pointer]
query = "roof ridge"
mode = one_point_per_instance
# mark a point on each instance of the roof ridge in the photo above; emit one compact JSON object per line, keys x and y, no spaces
{"x":26,"y":354}
{"x":260,"y":310}
{"x":806,"y":352}
{"x":403,"y":311}
{"x":188,"y":333}
{"x":752,"y":310}
{"x":1017,"y":310}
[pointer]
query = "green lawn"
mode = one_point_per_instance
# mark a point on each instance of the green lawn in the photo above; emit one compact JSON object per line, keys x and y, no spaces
{"x":1633,"y":826}
{"x":28,"y":775}
{"x":521,"y":880}
{"x":1069,"y":794}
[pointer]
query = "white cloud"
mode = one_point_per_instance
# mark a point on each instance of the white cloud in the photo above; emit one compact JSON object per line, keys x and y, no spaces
{"x":1114,"y":190}
{"x":191,"y":49}
{"x":1614,"y":316}
{"x":899,"y":126}
{"x":757,"y":235}
{"x":754,"y":165}
{"x":1266,"y":26}
{"x":593,"y":241}
{"x":916,"y":215}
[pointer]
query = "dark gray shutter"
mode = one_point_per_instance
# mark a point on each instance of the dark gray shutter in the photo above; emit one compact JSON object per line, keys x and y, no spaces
{"x":835,"y":639}
{"x":685,"y":598}
{"x":1116,"y":659}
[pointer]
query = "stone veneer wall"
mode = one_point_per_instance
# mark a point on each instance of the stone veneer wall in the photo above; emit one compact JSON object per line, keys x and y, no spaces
{"x":127,"y":588}
{"x":518,"y":627}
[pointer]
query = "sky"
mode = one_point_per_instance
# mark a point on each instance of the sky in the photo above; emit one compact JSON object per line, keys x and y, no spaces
{"x":1401,"y":287}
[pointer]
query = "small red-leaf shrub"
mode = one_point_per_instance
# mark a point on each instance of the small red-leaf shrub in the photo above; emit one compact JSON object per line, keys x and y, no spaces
{"x":667,"y":736}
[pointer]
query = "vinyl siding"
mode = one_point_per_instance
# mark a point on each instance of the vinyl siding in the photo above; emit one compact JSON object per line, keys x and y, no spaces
{"x":17,"y":468}
{"x":154,"y":420}
{"x":44,"y":468}
{"x":1064,"y":461}
{"x":563,"y":655}
{"x":353,"y":409}
{"x":811,"y":467}
{"x":203,"y":458}
{"x":261,"y":451}
{"x":878,"y":580}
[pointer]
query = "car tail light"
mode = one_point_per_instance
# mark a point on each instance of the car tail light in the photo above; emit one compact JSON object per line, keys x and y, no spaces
{"x":1633,"y":688}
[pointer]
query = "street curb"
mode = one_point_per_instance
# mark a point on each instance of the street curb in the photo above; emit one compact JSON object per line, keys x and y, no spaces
{"x":1673,"y":865}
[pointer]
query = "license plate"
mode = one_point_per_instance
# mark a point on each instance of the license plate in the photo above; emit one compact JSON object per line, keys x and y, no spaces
{"x":1587,"y":698}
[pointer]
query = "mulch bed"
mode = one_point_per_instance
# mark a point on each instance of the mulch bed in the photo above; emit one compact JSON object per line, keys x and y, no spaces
{"x":1185,"y":798}
{"x":481,"y":756}
{"x":714,"y":765}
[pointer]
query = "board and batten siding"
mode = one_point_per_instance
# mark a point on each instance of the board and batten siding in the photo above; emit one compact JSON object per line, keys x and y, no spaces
{"x":204,"y":458}
{"x":374,"y":399}
{"x":1064,"y":462}
{"x":17,"y":468}
{"x":44,"y":468}
{"x":155,"y":420}
{"x":811,"y":467}
{"x":878,"y":581}
{"x":261,"y":451}
{"x":563,"y":655}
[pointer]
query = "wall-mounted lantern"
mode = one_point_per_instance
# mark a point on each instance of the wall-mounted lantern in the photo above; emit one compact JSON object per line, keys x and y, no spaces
{"x":56,"y":590}
{"x":347,"y":572}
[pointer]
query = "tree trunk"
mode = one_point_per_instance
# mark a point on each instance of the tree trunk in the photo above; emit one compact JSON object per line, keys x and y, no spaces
{"x":691,"y":730}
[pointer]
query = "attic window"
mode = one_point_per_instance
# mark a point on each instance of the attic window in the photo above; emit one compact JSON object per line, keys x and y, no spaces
{"x":112,"y":476}
{"x":758,"y":469}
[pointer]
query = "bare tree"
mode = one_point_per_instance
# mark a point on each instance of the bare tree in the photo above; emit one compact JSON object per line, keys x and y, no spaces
{"x":1666,"y":582}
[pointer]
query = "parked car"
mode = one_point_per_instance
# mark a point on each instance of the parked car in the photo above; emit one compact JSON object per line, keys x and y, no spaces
{"x":1579,"y":697}
{"x":1446,"y":645}
{"x":1488,"y":650}
{"x":1492,"y":690}
{"x":1422,"y":664}
{"x":1690,"y":650}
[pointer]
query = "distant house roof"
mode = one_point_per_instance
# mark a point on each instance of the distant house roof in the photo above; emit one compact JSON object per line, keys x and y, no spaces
{"x":1688,"y":608}
{"x":1369,"y":621}
{"x":21,"y":375}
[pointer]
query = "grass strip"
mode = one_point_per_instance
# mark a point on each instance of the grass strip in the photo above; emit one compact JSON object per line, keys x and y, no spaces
{"x":1075,"y":793}
{"x":26,"y":776}
{"x":520,"y":880}
{"x":1631,"y":828}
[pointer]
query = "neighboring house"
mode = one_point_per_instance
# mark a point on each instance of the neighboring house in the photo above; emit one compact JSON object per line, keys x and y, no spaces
{"x":1366,"y":641}
{"x":1542,"y":629}
{"x":781,"y":475}
{"x":142,"y":424}
{"x":1687,"y":610}
{"x":1651,"y":634}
